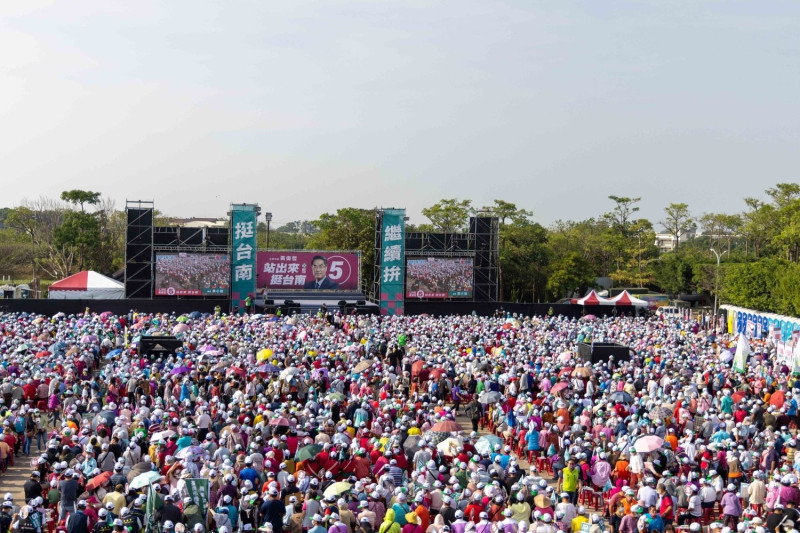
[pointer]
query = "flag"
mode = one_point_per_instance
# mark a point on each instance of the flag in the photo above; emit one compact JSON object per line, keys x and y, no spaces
{"x":153,"y":504}
{"x":776,"y":334}
{"x":742,"y":352}
{"x":198,"y":490}
{"x":796,"y":358}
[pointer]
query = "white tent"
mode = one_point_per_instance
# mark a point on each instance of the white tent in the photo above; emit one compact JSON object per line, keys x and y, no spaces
{"x":593,"y":299}
{"x":87,"y":285}
{"x":626,"y":298}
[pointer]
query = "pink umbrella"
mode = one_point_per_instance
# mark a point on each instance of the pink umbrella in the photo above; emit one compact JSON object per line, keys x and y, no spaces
{"x":279,"y":421}
{"x":241,"y":372}
{"x":558,"y":387}
{"x":180,"y":328}
{"x":648,"y":444}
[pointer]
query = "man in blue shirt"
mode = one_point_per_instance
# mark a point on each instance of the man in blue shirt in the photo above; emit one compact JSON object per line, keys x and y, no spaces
{"x":248,"y":473}
{"x":273,"y":511}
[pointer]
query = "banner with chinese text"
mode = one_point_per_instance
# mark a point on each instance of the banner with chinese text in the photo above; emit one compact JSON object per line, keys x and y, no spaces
{"x":198,"y":492}
{"x":305,"y":270}
{"x":393,"y":234}
{"x":243,"y":253}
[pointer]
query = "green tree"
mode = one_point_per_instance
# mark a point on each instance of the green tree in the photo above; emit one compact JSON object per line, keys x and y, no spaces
{"x":618,"y":223}
{"x":787,"y":290}
{"x":677,"y":221}
{"x":522,"y":254}
{"x":753,"y":285}
{"x":40,"y":219}
{"x":523,"y":260}
{"x":639,"y":254}
{"x":621,"y":217}
{"x":784,"y":194}
{"x":505,"y":212}
{"x":81,"y":198}
{"x":17,"y":257}
{"x":448,"y":215}
{"x":80,"y":229}
{"x":570,"y":275}
{"x":350,"y":228}
{"x":108,"y":256}
{"x":787,"y":237}
{"x":674,"y":273}
{"x":758,"y":226}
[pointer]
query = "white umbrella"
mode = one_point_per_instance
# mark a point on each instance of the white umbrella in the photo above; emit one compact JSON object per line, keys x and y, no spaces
{"x":451,"y":446}
{"x":289,"y":373}
{"x":162,"y":435}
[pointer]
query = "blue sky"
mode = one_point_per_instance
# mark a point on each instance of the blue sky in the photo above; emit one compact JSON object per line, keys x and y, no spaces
{"x":307,"y":106}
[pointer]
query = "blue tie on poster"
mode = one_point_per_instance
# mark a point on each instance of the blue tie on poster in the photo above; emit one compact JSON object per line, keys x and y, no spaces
{"x":243,"y":253}
{"x":392,"y":261}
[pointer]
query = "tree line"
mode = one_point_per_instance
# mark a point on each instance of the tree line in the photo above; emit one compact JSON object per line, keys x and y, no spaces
{"x":759,"y":248}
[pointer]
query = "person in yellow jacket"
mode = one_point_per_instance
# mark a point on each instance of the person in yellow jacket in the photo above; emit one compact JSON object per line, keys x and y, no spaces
{"x":579,"y":520}
{"x":389,"y":525}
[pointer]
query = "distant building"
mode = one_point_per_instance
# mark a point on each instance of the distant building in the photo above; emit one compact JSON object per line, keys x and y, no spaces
{"x":199,"y":222}
{"x":665,"y":242}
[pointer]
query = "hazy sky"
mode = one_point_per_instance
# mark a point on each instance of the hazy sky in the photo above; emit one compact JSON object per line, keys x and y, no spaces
{"x":306,"y":106}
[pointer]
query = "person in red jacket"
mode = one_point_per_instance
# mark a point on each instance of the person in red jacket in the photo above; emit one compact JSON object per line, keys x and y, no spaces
{"x":473,"y":511}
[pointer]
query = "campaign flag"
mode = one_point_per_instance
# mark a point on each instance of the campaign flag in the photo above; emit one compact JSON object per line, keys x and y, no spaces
{"x":796,"y":358}
{"x":153,"y":504}
{"x":775,"y":334}
{"x":392,"y":261}
{"x":198,"y":492}
{"x":742,"y":352}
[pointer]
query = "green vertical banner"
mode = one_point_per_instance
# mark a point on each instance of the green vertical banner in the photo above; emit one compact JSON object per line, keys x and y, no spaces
{"x":393,"y":265}
{"x":198,"y":492}
{"x":153,"y":504}
{"x":243,"y":253}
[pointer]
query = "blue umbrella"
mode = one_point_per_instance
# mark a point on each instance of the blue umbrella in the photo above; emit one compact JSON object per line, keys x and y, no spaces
{"x":487,"y":443}
{"x":113,"y":353}
{"x":196,"y":315}
{"x":58,"y":347}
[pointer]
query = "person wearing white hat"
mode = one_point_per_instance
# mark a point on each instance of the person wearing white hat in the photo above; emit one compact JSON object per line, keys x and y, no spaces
{"x":731,"y":506}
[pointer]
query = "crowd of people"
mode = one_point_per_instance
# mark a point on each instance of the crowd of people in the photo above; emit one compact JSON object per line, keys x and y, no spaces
{"x":440,"y":276}
{"x":192,"y":272}
{"x":361,"y":424}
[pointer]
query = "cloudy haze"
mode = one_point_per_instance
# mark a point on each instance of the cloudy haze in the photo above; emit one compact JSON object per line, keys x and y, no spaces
{"x":307,"y":106}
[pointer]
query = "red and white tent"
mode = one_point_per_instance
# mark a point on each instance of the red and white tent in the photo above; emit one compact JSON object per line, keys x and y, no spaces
{"x":593,"y":299}
{"x":626,"y":298}
{"x":87,"y":285}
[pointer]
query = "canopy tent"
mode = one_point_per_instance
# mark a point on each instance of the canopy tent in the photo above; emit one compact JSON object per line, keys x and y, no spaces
{"x":625,"y":298}
{"x":87,"y":285}
{"x":593,"y":299}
